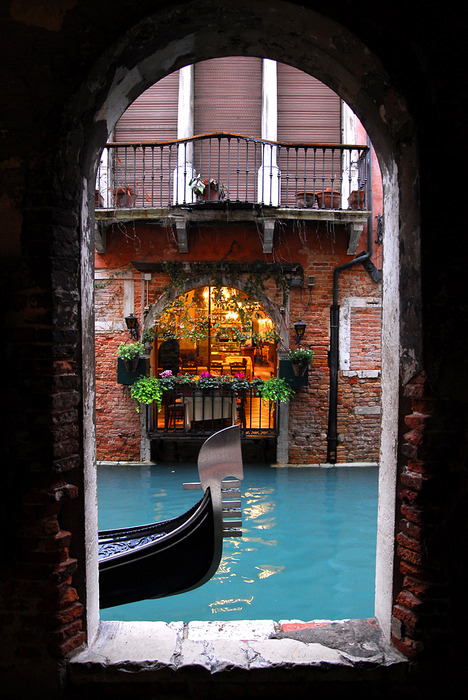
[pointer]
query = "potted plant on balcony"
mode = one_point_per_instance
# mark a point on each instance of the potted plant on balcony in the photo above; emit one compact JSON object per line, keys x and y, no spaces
{"x":328,"y":199}
{"x":356,"y":199}
{"x":124,"y":196}
{"x":206,"y":189}
{"x":300,"y":359}
{"x":130,"y":354}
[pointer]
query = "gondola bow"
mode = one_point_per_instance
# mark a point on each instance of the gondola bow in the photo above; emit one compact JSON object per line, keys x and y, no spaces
{"x":177,"y":555}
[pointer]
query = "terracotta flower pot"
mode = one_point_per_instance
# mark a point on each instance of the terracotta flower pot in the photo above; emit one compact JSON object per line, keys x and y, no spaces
{"x":124,"y":197}
{"x":356,"y":199}
{"x":131,"y":365}
{"x":328,"y":199}
{"x":299,"y":370}
{"x":210,"y":194}
{"x":306,"y":200}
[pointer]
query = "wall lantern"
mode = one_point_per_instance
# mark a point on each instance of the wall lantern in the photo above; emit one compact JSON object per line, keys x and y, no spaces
{"x":132,"y":325}
{"x":299,"y":328}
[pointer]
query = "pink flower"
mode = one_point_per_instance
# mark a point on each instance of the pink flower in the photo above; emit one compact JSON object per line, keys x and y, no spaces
{"x":205,"y":375}
{"x":166,"y":373}
{"x":241,"y":375}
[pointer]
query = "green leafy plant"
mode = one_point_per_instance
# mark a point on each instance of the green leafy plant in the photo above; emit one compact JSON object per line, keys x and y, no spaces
{"x":148,"y":336}
{"x":274,"y":389}
{"x":146,"y":390}
{"x":301,"y":356}
{"x":129,"y":351}
{"x":198,"y":185}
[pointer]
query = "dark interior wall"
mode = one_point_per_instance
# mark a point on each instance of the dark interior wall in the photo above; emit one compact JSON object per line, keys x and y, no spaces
{"x":58,"y":63}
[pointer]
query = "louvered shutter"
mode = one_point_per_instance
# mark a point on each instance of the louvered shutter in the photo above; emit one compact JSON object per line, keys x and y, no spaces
{"x":152,"y":117}
{"x":308,"y":112}
{"x":228,"y":97}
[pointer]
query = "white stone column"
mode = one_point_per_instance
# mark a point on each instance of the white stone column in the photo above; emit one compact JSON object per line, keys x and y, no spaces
{"x":103,"y":184}
{"x":182,"y":193}
{"x":349,"y":166}
{"x":269,"y":175}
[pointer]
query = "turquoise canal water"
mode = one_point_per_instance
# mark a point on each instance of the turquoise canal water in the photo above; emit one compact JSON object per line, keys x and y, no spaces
{"x":308,"y":549}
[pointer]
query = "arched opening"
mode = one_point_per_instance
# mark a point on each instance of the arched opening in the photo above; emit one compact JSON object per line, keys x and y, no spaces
{"x":397,"y":168}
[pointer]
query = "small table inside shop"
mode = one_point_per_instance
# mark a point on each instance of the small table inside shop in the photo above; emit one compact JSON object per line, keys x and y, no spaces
{"x":207,"y":407}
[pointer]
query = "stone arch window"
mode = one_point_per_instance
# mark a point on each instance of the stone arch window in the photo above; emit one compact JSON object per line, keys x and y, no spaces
{"x":345,"y":69}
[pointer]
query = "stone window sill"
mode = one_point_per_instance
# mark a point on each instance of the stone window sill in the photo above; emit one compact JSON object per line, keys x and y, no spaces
{"x":351,"y":648}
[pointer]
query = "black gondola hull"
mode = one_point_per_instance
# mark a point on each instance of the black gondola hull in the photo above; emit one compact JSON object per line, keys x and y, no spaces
{"x":182,"y":559}
{"x":177,"y":555}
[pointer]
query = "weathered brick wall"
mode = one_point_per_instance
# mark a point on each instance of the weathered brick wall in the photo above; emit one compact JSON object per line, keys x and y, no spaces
{"x":358,"y":416}
{"x":425,"y":608}
{"x":117,"y":422}
{"x":365,"y":346}
{"x":49,"y":590}
{"x":40,"y":610}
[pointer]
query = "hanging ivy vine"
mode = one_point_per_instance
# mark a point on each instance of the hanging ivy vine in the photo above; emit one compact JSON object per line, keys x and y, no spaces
{"x":187,"y":317}
{"x":181,"y":317}
{"x":255,"y":275}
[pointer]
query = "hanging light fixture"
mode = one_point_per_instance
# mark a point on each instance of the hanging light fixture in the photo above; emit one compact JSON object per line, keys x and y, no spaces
{"x":132,"y":325}
{"x":299,"y":328}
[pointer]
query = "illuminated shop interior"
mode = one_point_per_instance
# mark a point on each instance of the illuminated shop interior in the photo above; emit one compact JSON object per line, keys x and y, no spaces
{"x":220,"y":330}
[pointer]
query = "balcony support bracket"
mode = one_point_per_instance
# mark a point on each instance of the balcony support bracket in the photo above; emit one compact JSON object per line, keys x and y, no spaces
{"x":354,"y":234}
{"x":181,"y":233}
{"x":268,"y":234}
{"x":100,"y":237}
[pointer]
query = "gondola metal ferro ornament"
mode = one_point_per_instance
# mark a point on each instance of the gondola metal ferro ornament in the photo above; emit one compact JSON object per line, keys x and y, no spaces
{"x":177,"y":555}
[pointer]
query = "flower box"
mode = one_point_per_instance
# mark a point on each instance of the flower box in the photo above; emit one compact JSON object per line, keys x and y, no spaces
{"x":126,"y":377}
{"x":286,"y":372}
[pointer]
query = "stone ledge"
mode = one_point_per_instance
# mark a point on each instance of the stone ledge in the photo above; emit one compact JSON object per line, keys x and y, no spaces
{"x":156,"y":649}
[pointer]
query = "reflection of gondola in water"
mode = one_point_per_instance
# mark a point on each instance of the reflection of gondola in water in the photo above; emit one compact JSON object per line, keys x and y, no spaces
{"x":177,"y":555}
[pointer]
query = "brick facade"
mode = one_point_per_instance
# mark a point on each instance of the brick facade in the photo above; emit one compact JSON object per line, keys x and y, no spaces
{"x":319,"y":252}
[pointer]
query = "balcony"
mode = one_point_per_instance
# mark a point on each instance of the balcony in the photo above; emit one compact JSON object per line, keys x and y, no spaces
{"x":229,"y":177}
{"x":192,"y":412}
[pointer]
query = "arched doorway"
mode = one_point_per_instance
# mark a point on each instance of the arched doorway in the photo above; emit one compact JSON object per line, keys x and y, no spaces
{"x":343,"y":68}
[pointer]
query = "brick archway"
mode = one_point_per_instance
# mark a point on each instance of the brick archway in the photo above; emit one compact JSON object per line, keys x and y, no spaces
{"x":163,"y":43}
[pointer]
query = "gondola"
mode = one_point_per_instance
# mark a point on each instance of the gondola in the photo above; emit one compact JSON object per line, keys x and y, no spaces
{"x":177,"y":555}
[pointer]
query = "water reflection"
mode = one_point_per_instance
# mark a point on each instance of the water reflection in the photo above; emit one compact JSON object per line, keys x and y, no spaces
{"x":230,"y":605}
{"x":266,"y":571}
{"x":258,"y":505}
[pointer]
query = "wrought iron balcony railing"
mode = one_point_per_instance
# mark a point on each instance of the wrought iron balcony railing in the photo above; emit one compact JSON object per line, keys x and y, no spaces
{"x":231,"y":168}
{"x":190,"y":411}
